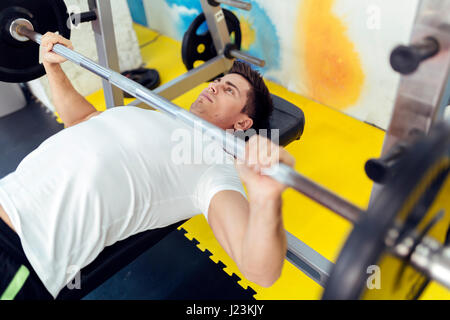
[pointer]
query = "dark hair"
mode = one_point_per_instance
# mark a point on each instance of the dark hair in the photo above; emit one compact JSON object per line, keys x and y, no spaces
{"x":259,"y":104}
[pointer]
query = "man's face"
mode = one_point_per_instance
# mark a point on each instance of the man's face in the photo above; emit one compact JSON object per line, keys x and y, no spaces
{"x":222,"y":102}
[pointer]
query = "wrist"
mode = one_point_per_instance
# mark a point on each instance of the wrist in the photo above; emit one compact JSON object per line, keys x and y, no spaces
{"x":265,"y":212}
{"x":261,"y":201}
{"x":264,"y":196}
{"x":51,"y":66}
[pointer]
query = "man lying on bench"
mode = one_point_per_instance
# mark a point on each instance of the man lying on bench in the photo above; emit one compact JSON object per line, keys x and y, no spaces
{"x":113,"y":174}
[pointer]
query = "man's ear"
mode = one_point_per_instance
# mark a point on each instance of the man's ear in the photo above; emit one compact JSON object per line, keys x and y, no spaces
{"x":244,"y":123}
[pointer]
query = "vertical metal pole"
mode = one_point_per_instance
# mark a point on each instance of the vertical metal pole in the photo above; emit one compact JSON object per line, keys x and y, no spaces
{"x":106,"y":48}
{"x":217,"y":25}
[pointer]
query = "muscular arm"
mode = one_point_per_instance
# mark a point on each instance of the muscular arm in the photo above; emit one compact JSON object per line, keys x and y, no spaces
{"x":251,"y":233}
{"x":71,"y":106}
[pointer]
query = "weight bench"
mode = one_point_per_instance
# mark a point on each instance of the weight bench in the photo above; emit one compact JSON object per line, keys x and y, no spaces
{"x":286,"y":117}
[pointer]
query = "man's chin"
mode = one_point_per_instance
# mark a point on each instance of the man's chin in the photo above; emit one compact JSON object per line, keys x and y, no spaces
{"x":197,"y":108}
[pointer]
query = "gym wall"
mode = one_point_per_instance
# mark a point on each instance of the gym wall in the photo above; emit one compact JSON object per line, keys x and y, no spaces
{"x":84,"y":42}
{"x":333,"y":51}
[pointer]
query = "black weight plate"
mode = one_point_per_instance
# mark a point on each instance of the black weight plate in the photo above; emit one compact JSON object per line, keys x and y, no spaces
{"x":192,"y":39}
{"x":416,"y":200}
{"x":19,"y":61}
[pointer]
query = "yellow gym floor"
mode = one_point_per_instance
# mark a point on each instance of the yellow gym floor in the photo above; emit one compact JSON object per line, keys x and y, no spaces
{"x":332,"y":151}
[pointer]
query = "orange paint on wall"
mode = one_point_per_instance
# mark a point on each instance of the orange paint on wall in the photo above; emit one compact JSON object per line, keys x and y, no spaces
{"x":248,"y":33}
{"x":333,"y":70}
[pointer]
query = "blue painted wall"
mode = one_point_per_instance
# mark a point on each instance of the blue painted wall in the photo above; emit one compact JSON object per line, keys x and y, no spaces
{"x":137,"y":11}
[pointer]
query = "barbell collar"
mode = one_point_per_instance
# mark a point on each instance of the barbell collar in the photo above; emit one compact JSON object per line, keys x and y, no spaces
{"x":433,"y":259}
{"x":429,"y":256}
{"x":13,"y":29}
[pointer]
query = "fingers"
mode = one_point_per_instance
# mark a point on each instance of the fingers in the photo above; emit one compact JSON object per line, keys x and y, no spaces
{"x":49,"y":39}
{"x":261,"y":153}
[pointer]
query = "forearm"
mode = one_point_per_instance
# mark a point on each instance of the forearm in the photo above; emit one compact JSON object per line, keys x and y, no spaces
{"x":70,"y":104}
{"x":264,"y":244}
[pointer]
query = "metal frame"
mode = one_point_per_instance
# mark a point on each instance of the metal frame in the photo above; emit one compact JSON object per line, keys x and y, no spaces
{"x":105,"y":40}
{"x":423,"y":95}
{"x":306,"y":259}
{"x":217,"y":25}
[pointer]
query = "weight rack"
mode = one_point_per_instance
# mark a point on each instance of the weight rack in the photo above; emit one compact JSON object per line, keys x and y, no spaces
{"x":423,"y":94}
{"x":414,"y":109}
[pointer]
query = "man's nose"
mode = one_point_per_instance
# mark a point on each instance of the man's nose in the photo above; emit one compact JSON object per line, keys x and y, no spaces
{"x":214,"y":87}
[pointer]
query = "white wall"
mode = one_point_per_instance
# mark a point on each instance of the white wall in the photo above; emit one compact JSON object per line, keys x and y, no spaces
{"x":373,"y":27}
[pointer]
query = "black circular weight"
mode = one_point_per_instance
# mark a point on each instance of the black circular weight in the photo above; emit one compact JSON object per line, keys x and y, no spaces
{"x":19,"y":61}
{"x":199,"y":46}
{"x":414,"y":203}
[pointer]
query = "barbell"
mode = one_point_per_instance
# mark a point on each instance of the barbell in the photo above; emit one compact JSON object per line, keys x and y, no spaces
{"x":403,"y":233}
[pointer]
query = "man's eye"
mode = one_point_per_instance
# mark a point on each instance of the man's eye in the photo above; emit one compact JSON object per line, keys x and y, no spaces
{"x":230,"y":90}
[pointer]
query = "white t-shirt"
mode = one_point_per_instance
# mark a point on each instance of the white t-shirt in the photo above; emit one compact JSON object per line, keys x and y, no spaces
{"x":105,"y":179}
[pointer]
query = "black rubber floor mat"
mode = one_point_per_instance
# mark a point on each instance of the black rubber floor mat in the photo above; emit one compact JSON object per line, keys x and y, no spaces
{"x":173,"y":269}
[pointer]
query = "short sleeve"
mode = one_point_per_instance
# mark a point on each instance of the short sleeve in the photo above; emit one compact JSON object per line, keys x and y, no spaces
{"x":215,"y":179}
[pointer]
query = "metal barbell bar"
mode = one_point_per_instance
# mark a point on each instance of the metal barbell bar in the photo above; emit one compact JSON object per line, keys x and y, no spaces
{"x":232,"y":145}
